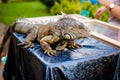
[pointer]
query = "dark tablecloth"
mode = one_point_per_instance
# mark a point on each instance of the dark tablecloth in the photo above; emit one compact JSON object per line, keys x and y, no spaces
{"x":117,"y":70}
{"x":94,"y":61}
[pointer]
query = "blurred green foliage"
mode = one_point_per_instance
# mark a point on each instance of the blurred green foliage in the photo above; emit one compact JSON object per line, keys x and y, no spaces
{"x":9,"y":1}
{"x":12,"y":11}
{"x":92,"y":8}
{"x":67,"y":6}
{"x":21,"y":0}
{"x":75,"y":7}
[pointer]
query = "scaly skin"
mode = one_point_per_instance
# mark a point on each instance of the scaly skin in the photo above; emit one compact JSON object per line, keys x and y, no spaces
{"x":61,"y":33}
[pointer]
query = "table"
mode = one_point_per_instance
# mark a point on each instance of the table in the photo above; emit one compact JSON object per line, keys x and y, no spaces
{"x":117,"y":70}
{"x":94,"y":61}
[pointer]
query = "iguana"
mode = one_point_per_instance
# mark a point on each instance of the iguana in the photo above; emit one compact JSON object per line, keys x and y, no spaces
{"x":60,"y":33}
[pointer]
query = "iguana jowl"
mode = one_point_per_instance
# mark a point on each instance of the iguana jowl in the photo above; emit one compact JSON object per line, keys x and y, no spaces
{"x":61,"y":33}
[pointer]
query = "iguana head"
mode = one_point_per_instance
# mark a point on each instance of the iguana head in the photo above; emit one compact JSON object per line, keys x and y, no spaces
{"x":72,"y":29}
{"x":77,"y":31}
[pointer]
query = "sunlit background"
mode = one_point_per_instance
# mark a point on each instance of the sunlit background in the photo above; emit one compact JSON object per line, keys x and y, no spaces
{"x":11,"y":10}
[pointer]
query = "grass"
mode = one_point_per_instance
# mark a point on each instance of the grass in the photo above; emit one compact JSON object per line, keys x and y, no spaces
{"x":12,"y":11}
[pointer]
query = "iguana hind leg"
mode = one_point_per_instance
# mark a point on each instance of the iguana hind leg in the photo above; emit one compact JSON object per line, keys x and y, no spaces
{"x":46,"y":42}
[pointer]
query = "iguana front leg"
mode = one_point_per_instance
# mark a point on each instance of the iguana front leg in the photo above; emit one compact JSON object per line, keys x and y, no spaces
{"x":73,"y":45}
{"x":46,"y":42}
{"x":32,"y":34}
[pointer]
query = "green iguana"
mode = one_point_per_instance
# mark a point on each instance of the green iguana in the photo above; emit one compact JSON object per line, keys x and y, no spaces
{"x":61,"y":33}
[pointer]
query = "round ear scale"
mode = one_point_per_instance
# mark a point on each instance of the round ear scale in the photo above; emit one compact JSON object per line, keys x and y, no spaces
{"x":69,"y":36}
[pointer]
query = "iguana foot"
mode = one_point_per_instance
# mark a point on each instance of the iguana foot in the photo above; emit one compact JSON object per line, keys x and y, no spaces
{"x":50,"y":52}
{"x":27,"y":44}
{"x":62,"y":45}
{"x":74,"y":45}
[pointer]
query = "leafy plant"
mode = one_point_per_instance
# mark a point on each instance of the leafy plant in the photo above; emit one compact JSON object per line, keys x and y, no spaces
{"x":67,"y":6}
{"x":76,"y":7}
{"x":92,"y":8}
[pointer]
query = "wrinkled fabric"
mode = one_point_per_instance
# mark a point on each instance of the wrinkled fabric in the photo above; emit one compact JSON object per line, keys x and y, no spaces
{"x":94,"y":61}
{"x":117,"y":70}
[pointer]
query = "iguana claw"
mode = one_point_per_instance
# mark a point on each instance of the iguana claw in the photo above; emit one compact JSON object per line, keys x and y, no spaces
{"x":20,"y":44}
{"x":50,"y":52}
{"x":74,"y":45}
{"x":29,"y":45}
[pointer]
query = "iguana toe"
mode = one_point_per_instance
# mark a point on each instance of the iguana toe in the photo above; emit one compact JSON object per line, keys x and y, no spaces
{"x":74,"y":45}
{"x":26,"y":45}
{"x":50,"y":52}
{"x":20,"y":44}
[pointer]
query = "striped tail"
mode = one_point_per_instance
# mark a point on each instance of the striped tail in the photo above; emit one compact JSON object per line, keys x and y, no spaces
{"x":6,"y":37}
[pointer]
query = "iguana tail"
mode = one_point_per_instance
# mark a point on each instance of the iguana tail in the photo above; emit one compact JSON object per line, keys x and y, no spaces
{"x":6,"y":37}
